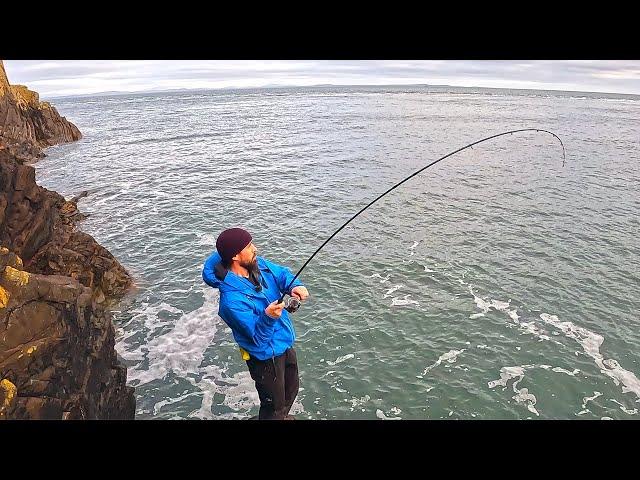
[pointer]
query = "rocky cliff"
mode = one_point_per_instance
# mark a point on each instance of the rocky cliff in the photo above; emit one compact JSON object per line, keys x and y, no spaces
{"x":28,"y":125}
{"x":57,"y":357}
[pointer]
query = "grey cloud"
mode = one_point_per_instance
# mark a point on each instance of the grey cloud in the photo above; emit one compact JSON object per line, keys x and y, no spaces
{"x":82,"y":76}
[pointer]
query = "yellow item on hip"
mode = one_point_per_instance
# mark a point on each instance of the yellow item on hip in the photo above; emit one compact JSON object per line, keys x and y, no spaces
{"x":245,"y":354}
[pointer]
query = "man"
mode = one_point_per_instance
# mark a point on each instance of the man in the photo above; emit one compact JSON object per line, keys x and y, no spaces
{"x":250,"y":288}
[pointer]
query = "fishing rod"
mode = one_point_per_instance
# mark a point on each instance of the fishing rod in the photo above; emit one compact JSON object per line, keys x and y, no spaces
{"x":293,"y":303}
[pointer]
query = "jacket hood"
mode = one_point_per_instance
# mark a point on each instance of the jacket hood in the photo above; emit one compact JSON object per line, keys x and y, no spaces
{"x":216,"y":276}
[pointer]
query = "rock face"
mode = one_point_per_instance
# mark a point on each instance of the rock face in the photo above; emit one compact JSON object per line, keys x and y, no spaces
{"x":57,"y":353}
{"x":57,"y":357}
{"x":28,"y":125}
{"x":4,"y":81}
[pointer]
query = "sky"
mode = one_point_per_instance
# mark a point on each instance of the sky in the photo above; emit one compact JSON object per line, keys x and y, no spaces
{"x":81,"y":77}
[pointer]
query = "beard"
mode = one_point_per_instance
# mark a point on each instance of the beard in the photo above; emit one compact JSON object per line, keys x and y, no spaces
{"x":252,"y":265}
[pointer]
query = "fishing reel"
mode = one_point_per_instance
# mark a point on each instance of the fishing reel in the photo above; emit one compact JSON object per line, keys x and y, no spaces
{"x":291,"y":304}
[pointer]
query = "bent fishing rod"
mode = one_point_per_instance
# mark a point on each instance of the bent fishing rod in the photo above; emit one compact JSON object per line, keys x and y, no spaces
{"x":294,"y":303}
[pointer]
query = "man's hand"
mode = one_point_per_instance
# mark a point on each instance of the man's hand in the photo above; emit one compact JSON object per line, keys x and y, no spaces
{"x":274,"y":310}
{"x":300,"y":292}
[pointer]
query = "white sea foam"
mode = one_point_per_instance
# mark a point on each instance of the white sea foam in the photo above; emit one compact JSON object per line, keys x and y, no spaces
{"x":625,"y":409}
{"x":449,"y":357}
{"x":239,"y":392}
{"x":149,"y":315}
{"x":399,"y":302}
{"x":169,"y":401}
{"x":392,"y":289}
{"x":523,"y":395}
{"x":377,"y":275}
{"x":512,"y":313}
{"x":507,"y":373}
{"x":207,"y":239}
{"x":380,"y":414}
{"x":589,"y":399}
{"x":591,"y":343}
{"x":358,"y":402}
{"x":498,"y":305}
{"x":341,"y":359}
{"x":180,"y":350}
{"x":562,"y":370}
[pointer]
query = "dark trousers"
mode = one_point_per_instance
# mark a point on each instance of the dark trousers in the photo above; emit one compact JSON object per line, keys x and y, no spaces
{"x":277,"y":383}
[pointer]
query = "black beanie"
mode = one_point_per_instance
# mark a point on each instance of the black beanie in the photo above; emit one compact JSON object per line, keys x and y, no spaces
{"x":231,"y":242}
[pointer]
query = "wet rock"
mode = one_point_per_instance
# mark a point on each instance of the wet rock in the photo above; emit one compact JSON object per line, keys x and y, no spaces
{"x":57,"y":356}
{"x":57,"y":350}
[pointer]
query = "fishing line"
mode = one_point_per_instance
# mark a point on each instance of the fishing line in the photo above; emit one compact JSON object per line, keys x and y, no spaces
{"x":294,"y":303}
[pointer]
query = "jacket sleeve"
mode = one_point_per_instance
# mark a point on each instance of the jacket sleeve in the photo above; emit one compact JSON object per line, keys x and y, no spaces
{"x":208,"y":274}
{"x":283,"y":277}
{"x":241,"y":316}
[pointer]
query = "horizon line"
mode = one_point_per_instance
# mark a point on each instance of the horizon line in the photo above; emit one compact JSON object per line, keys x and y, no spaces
{"x":324,"y":85}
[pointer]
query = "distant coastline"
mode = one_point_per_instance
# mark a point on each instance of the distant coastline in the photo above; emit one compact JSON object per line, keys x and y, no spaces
{"x":521,"y":91}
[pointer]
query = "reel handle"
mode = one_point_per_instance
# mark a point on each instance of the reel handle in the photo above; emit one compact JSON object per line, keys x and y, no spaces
{"x":292,"y":304}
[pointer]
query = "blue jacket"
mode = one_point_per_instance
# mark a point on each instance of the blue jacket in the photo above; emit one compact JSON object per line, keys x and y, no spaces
{"x":242,"y":306}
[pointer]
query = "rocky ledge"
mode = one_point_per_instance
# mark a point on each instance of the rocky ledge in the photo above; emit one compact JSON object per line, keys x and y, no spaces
{"x":57,"y":356}
{"x":28,"y":125}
